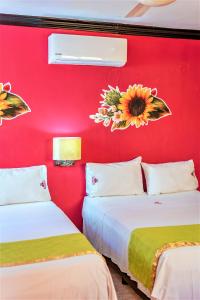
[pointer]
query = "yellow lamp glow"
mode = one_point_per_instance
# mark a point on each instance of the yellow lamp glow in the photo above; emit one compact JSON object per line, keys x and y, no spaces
{"x":66,"y":150}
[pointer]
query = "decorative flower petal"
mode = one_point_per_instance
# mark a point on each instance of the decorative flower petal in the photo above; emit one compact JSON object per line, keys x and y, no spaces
{"x":3,"y":96}
{"x":7,"y":87}
{"x":154,"y":92}
{"x":117,"y":117}
{"x":103,"y":111}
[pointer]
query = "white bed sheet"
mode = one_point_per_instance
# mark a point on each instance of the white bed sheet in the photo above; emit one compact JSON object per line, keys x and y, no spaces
{"x":108,"y":222}
{"x":81,"y":277}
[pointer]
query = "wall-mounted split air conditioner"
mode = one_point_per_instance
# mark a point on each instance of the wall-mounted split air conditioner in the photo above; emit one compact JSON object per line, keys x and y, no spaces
{"x":87,"y":50}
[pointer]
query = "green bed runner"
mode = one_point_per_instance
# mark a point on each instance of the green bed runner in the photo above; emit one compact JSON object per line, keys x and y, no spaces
{"x":44,"y":249}
{"x":147,"y":244}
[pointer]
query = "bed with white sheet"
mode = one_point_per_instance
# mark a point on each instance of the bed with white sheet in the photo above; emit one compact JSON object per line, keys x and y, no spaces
{"x":78,"y":277}
{"x":109,"y":221}
{"x":28,"y":216}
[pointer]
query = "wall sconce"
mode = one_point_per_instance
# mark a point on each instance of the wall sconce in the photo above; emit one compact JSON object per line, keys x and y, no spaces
{"x":66,"y":150}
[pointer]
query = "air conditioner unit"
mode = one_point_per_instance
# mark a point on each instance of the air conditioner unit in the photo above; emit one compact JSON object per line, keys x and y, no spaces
{"x":87,"y":50}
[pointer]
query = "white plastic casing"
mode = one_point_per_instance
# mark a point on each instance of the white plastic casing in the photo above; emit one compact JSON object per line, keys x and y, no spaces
{"x":87,"y":50}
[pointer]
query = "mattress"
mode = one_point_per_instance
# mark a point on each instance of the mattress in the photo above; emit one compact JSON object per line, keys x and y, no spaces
{"x":79,"y":277}
{"x":109,"y":221}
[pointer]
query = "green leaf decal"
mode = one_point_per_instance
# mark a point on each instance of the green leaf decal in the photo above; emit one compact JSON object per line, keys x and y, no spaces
{"x":12,"y":106}
{"x":120,"y":125}
{"x":160,"y":109}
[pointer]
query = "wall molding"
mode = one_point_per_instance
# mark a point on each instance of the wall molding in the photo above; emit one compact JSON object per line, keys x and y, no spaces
{"x":116,"y":28}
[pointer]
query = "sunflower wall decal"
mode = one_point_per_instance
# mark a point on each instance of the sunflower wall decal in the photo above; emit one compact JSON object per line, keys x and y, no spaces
{"x":135,"y":107}
{"x":11,"y":105}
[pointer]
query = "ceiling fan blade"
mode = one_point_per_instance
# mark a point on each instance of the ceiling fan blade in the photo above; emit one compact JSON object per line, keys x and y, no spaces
{"x":137,"y":11}
{"x":156,"y":2}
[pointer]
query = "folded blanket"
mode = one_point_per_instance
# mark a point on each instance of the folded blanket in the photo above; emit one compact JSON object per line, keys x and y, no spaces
{"x":147,"y":244}
{"x":44,"y":249}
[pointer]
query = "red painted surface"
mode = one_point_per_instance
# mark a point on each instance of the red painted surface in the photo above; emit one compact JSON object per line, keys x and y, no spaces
{"x":62,"y":97}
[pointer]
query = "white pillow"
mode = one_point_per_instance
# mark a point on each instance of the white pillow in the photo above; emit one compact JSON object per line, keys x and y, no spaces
{"x":170,"y":177}
{"x":21,"y":185}
{"x":123,"y":178}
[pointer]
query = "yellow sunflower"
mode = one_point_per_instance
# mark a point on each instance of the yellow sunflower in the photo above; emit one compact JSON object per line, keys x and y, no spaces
{"x":136,"y":104}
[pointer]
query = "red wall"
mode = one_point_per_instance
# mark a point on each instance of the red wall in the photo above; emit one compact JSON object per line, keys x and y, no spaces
{"x":62,"y":97}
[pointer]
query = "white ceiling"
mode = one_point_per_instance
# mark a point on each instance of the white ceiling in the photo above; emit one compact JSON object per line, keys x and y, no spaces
{"x":182,"y":14}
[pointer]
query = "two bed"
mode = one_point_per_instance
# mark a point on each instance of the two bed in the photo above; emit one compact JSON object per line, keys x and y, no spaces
{"x":109,"y":221}
{"x":76,"y":278}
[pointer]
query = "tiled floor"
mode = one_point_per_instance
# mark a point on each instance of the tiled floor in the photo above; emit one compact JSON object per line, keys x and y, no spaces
{"x":124,"y":292}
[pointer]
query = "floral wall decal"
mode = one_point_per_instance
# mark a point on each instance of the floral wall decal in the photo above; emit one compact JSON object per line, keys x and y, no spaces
{"x":11,"y":105}
{"x":135,"y":107}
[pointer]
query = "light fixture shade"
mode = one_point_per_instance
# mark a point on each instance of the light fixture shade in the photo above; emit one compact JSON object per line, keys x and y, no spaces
{"x":66,"y":148}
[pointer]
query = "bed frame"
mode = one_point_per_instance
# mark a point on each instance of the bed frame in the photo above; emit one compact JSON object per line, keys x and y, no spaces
{"x":126,"y":279}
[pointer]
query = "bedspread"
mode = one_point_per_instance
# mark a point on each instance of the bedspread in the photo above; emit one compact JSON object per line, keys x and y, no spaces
{"x":84,"y":277}
{"x":109,"y":221}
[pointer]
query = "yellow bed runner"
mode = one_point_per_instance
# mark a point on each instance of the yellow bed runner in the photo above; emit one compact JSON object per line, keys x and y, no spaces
{"x":147,"y":244}
{"x":44,"y":249}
